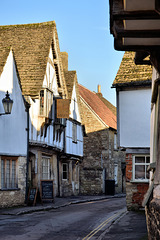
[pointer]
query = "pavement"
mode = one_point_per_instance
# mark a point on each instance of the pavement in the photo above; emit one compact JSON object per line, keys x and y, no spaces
{"x":129,"y":226}
{"x":58,"y":202}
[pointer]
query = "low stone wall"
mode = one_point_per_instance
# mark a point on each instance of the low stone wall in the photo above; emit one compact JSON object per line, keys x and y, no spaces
{"x":134,"y":194}
{"x":9,"y":198}
{"x":153,"y":219}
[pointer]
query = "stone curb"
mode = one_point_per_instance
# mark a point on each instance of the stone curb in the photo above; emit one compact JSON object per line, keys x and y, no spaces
{"x":123,"y":214}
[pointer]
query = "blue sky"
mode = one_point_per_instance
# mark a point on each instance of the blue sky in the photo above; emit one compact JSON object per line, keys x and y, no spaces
{"x":83,"y":30}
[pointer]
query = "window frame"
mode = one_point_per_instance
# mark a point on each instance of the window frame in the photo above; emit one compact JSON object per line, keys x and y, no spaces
{"x":47,"y":102}
{"x":10,"y":179}
{"x":67,"y":173}
{"x":134,"y":164}
{"x":74,"y":132}
{"x":49,"y":168}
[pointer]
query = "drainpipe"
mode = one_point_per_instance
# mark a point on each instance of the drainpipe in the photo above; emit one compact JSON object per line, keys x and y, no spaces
{"x":27,"y":105}
{"x":59,"y":157}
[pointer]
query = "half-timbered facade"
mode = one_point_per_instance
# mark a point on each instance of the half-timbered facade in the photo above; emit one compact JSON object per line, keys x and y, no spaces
{"x":34,"y":139}
{"x":73,"y":149}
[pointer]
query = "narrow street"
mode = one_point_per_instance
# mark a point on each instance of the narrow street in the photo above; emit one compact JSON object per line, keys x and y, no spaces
{"x":84,"y":221}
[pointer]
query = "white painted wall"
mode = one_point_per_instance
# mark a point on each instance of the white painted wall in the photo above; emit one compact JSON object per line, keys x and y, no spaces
{"x":134,"y":117}
{"x":71,"y":147}
{"x":74,"y":110}
{"x":13,"y":140}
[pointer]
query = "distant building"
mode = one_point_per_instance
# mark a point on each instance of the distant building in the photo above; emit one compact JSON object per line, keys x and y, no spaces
{"x":101,"y":160}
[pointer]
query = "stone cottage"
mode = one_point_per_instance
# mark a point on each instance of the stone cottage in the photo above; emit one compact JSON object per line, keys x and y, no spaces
{"x":101,"y":159}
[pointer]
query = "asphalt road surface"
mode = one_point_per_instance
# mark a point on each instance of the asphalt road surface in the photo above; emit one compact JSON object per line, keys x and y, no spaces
{"x":83,"y":221}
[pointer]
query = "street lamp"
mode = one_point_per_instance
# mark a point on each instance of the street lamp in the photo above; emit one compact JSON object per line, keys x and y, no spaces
{"x":7,"y":104}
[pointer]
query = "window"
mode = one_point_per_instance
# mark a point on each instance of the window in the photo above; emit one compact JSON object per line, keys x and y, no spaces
{"x":115,"y":173}
{"x":115,"y":141}
{"x":140,"y":164}
{"x":41,"y":102}
{"x":64,"y":171}
{"x":9,"y":179}
{"x":45,"y":168}
{"x":74,"y":132}
{"x":46,"y":100}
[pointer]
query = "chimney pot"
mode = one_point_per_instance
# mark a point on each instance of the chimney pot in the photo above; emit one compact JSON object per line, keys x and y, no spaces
{"x":99,"y":88}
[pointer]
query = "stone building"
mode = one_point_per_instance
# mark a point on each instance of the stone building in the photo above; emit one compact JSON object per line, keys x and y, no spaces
{"x":133,"y":90}
{"x":101,"y":160}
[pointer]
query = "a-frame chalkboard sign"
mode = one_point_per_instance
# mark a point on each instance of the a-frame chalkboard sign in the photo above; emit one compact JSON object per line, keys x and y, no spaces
{"x":47,"y":190}
{"x":32,"y":195}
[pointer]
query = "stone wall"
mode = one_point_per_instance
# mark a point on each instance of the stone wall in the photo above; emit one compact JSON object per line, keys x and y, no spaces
{"x":89,"y":119}
{"x":119,"y":159}
{"x":135,"y":191}
{"x":153,"y":219}
{"x":96,"y":158}
{"x":100,"y":156}
{"x":91,"y":181}
{"x":9,"y":198}
{"x":99,"y":163}
{"x":134,"y":194}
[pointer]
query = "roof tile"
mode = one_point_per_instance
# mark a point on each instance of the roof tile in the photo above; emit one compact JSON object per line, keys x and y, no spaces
{"x":30,"y":44}
{"x":129,"y":72}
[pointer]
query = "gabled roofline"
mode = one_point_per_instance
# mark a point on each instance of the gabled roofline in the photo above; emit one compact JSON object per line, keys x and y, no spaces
{"x":133,"y":84}
{"x":93,"y":112}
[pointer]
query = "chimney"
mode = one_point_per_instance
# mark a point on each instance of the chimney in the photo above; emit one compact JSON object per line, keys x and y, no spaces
{"x":64,"y":57}
{"x":99,"y":90}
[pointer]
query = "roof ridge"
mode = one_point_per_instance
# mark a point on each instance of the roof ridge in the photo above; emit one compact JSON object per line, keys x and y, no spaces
{"x":31,"y":44}
{"x":70,"y":71}
{"x":88,"y":105}
{"x":98,"y":97}
{"x":47,"y":23}
{"x":87,"y":89}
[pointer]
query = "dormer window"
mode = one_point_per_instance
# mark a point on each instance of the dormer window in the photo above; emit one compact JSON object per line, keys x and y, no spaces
{"x":46,"y":101}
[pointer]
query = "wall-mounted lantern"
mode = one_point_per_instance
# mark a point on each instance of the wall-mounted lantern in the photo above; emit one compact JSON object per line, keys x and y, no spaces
{"x":7,"y":104}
